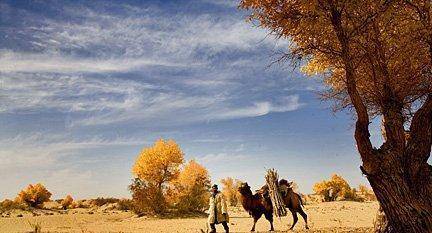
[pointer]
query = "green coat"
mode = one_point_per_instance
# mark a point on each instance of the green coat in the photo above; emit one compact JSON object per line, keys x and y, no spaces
{"x":218,"y":207}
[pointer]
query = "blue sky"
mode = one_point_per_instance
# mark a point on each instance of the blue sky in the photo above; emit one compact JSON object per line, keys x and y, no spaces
{"x":85,"y":85}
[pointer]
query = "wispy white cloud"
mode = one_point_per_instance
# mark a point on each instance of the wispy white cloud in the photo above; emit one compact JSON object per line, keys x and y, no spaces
{"x":33,"y":62}
{"x":123,"y":42}
{"x":39,"y":150}
{"x":58,"y":73}
{"x":220,"y":158}
{"x":287,"y":103}
{"x":68,"y":93}
{"x":112,"y":100}
{"x":228,"y":3}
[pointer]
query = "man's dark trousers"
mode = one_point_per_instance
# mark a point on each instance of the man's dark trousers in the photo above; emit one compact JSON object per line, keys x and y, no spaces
{"x":224,"y":224}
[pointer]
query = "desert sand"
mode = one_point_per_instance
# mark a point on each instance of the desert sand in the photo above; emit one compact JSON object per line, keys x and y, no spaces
{"x":343,"y":216}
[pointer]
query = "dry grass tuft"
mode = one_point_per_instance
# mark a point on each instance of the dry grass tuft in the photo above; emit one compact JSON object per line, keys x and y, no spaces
{"x":36,"y":227}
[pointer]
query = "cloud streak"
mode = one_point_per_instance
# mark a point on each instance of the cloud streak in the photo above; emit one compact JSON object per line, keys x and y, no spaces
{"x":80,"y":67}
{"x":39,"y":150}
{"x":45,"y":63}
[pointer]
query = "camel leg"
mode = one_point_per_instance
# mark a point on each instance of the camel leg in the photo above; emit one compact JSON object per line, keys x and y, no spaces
{"x":295,"y":219}
{"x":269,"y":217}
{"x":304,"y":216}
{"x":253,"y":227}
{"x":255,"y":216}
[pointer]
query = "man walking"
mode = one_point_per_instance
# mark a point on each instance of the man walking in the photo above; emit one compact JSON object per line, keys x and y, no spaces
{"x":218,"y":212}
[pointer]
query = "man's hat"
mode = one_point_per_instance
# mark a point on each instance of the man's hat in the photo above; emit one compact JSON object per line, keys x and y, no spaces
{"x":215,"y":186}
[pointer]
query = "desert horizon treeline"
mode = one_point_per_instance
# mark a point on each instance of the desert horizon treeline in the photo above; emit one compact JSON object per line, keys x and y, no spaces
{"x":164,"y":183}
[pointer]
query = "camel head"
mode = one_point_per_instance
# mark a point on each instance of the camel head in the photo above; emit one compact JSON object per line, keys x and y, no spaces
{"x":244,"y":189}
{"x":285,"y":182}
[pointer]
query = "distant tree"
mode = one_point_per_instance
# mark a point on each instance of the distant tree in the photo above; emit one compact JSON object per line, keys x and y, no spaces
{"x":376,"y":59}
{"x":8,"y":204}
{"x":335,"y":188}
{"x":230,"y":190}
{"x":190,"y":191}
{"x":34,"y":195}
{"x":154,"y":168}
{"x":366,"y":193}
{"x":66,"y":202}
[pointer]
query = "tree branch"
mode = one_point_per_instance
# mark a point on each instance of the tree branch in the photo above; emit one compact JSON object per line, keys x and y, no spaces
{"x":362,"y":135}
{"x":420,"y":141}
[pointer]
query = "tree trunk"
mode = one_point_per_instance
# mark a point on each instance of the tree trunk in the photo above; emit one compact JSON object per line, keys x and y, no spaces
{"x":406,"y":204}
{"x":398,"y":171}
{"x":381,"y":223}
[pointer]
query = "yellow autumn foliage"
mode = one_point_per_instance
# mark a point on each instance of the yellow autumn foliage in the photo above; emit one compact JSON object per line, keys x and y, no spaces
{"x":335,"y":188}
{"x":381,"y":47}
{"x":67,"y":201}
{"x":159,"y":163}
{"x":154,"y":168}
{"x":229,"y":189}
{"x":33,"y":195}
{"x":190,"y":191}
{"x":366,"y":193}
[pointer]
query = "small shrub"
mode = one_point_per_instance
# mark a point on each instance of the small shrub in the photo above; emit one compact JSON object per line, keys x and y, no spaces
{"x":36,"y":227}
{"x":34,"y":195}
{"x":67,"y":201}
{"x":8,"y":204}
{"x":125,"y":204}
{"x":100,"y":201}
{"x":75,"y":205}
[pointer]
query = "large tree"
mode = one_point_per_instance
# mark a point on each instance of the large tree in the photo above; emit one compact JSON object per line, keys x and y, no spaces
{"x":376,"y":57}
{"x":154,"y":168}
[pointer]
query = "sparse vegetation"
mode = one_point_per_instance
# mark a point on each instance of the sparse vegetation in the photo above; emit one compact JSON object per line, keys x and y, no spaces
{"x":8,"y":204}
{"x":100,"y":201}
{"x":125,"y":204}
{"x":36,"y":227}
{"x":80,"y":204}
{"x":34,"y":195}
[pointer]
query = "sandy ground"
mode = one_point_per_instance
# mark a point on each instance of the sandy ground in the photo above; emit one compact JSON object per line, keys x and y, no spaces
{"x":323,"y":217}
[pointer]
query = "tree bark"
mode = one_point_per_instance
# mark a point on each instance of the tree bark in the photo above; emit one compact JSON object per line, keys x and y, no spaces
{"x":407,"y":209}
{"x":381,"y":223}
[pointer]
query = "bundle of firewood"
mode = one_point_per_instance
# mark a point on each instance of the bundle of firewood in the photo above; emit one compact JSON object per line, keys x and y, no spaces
{"x":272,"y":179}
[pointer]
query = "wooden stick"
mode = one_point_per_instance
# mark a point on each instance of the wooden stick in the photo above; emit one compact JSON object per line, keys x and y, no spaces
{"x":272,"y":180}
